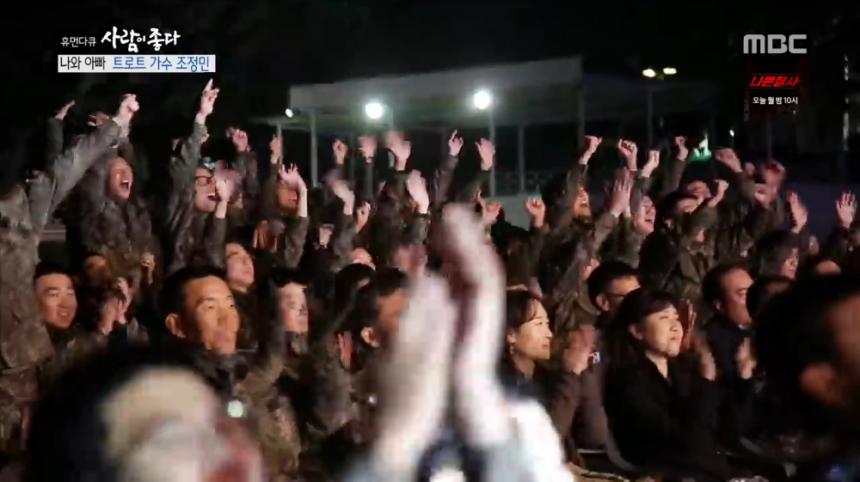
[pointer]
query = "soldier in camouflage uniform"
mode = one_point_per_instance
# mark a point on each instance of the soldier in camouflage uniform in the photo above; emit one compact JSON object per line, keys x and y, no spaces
{"x":201,"y":316}
{"x":24,"y":211}
{"x":194,"y":232}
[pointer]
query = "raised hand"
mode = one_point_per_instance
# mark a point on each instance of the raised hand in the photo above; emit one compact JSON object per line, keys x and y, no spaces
{"x":224,"y":188}
{"x":799,"y":213}
{"x":455,"y":144}
{"x":729,"y":158}
{"x":681,"y":146}
{"x":416,"y":186}
{"x":846,"y":209}
{"x":652,"y":164}
{"x":592,"y":143}
{"x":207,"y":101}
{"x":487,"y":153}
{"x":367,"y":147}
{"x":61,"y":114}
{"x":401,"y":149}
{"x":96,"y":119}
{"x":127,"y":108}
{"x":629,"y":151}
{"x":619,"y":198}
{"x":339,"y":149}
{"x":276,"y":153}
{"x":239,"y":138}
{"x":362,"y":216}
{"x":722,"y":187}
{"x":415,"y":383}
{"x":147,"y":265}
{"x":707,"y":365}
{"x":745,"y":360}
{"x":291,"y":178}
{"x":537,"y":211}
{"x":688,"y":317}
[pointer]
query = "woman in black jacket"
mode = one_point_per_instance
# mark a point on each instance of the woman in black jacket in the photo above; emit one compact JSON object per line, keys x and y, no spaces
{"x":662,"y":407}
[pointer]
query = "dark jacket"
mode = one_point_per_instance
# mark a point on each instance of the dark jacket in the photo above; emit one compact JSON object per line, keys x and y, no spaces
{"x":667,"y":425}
{"x":575,"y":405}
{"x":724,"y":339}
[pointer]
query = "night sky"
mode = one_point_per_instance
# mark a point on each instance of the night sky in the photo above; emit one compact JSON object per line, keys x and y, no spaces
{"x":263,"y":47}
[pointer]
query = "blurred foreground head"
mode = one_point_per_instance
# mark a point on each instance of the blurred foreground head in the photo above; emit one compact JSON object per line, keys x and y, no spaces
{"x":133,"y":416}
{"x":808,"y":343}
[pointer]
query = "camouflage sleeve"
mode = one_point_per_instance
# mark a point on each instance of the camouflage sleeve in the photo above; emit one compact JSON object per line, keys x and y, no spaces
{"x":640,"y":190}
{"x":247,"y":166}
{"x":444,"y":178}
{"x":745,"y":186}
{"x":703,"y":218}
{"x":558,"y":209}
{"x":183,"y":163}
{"x":342,"y":242}
{"x":537,"y":239}
{"x":295,"y":235}
{"x":367,"y":190}
{"x":213,"y":242}
{"x":68,"y":169}
{"x":586,"y":248}
{"x":418,"y":228}
{"x":54,"y":141}
{"x":186,"y":157}
{"x":672,"y":178}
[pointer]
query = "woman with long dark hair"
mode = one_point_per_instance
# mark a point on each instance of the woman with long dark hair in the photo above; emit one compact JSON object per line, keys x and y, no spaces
{"x":662,"y":404}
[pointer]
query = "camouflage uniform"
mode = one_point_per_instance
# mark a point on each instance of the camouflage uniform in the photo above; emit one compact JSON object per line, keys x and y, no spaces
{"x":24,"y":341}
{"x":673,"y":261}
{"x":194,"y":237}
{"x":121,"y":231}
{"x":253,"y":381}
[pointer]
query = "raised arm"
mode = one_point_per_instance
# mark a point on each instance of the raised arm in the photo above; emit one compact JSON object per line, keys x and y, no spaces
{"x":367,"y":147}
{"x":559,"y":208}
{"x":445,"y":172}
{"x":675,"y":169}
{"x":296,"y":231}
{"x":54,"y":141}
{"x":48,"y":191}
{"x":186,"y":154}
{"x":487,"y":153}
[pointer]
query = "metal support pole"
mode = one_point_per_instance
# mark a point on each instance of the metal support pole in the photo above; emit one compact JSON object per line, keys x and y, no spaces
{"x":521,"y":158}
{"x":315,"y":161}
{"x":650,"y":117}
{"x":493,"y":140}
{"x":580,"y":115}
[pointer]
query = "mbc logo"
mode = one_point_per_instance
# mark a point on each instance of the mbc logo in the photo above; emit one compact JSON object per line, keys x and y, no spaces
{"x":774,"y":44}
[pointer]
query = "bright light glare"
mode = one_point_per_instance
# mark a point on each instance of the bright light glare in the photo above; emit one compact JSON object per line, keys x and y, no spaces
{"x":289,"y":113}
{"x":482,"y":99}
{"x":670,"y":70}
{"x":649,"y":72}
{"x":374,"y":110}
